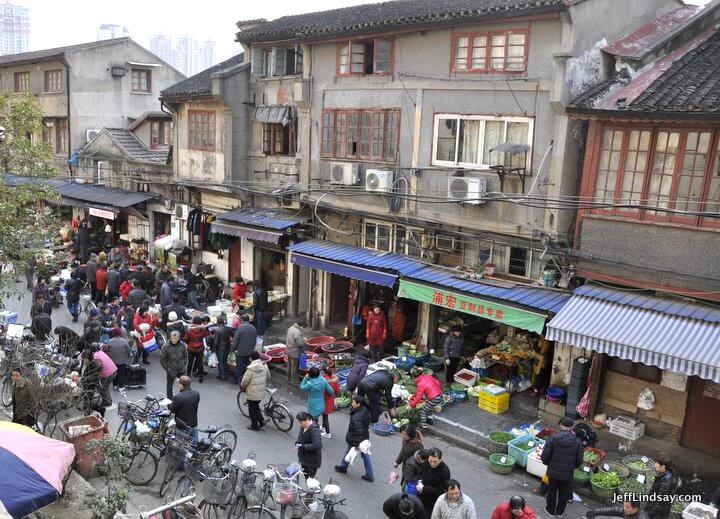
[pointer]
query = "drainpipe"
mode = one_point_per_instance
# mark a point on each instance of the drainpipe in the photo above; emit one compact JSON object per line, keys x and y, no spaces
{"x":69,"y":127}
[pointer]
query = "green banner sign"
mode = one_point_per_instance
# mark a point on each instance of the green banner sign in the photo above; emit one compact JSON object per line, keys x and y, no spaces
{"x":471,"y":305}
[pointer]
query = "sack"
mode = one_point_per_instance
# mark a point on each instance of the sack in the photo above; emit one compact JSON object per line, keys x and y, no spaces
{"x":351,"y":455}
{"x":213,"y":360}
{"x":385,"y":418}
{"x":303,"y":360}
{"x":393,"y":477}
{"x":646,"y":400}
{"x":149,"y":344}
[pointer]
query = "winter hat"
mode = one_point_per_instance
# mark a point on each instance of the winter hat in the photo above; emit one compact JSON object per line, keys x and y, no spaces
{"x":174,"y":333}
{"x":94,"y":312}
{"x":172,"y":316}
{"x":115,"y":332}
{"x":566,"y":421}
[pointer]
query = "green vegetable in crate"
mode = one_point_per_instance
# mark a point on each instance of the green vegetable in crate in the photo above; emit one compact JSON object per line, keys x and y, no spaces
{"x":678,"y":506}
{"x":632,"y":486}
{"x":526,"y":446}
{"x":637,"y":466}
{"x":501,"y":437}
{"x":605,"y":479}
{"x":591,"y":457}
{"x":581,"y":474}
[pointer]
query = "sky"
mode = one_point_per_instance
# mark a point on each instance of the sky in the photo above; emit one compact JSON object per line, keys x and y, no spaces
{"x":56,"y":23}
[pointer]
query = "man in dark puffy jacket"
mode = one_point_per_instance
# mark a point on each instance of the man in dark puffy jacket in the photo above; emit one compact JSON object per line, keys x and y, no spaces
{"x":666,"y":484}
{"x":358,"y":431}
{"x":222,"y":336}
{"x":113,"y":282}
{"x":243,"y":343}
{"x":357,"y":373}
{"x":374,"y":386}
{"x":138,"y":297}
{"x":563,"y":453}
{"x":453,"y":350}
{"x":91,"y":271}
{"x":308,"y":444}
{"x":629,"y":510}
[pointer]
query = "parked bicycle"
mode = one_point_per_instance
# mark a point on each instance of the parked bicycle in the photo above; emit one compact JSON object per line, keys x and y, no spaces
{"x":272,"y":409}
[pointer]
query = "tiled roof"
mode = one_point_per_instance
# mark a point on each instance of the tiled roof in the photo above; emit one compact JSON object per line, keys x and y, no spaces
{"x":385,"y":16}
{"x":47,"y":54}
{"x":199,"y":85}
{"x":686,"y":82}
{"x":134,"y":148}
{"x":154,"y":114}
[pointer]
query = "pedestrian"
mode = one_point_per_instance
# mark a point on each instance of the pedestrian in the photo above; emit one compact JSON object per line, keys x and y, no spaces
{"x":119,"y":350}
{"x":628,"y":510}
{"x":165,"y":296}
{"x":30,"y":273}
{"x":72,"y":296}
{"x":222,"y":337}
{"x":253,"y":383}
{"x":41,"y":290}
{"x":91,"y":270}
{"x":260,"y":305}
{"x":435,"y":479}
{"x":176,"y":307}
{"x":41,"y":324}
{"x":144,"y":322}
{"x":403,"y":506}
{"x":244,"y":342}
{"x":413,"y":468}
{"x":429,"y":388}
{"x":374,"y":386}
{"x":90,"y":383}
{"x":376,"y":333}
{"x":239,"y":290}
{"x":173,"y":359}
{"x":81,"y":274}
{"x":124,"y":270}
{"x":412,"y":441}
{"x":514,"y":509}
{"x":453,"y":349}
{"x":295,"y":346}
{"x":101,"y":280}
{"x":358,"y":432}
{"x":44,"y":305}
{"x":453,"y":504}
{"x":665,"y":485}
{"x":173,"y":323}
{"x":163,"y":274}
{"x":185,"y":407}
{"x":192,"y":287}
{"x":316,"y":387}
{"x":113,"y":282}
{"x":399,"y":319}
{"x":68,"y":340}
{"x":357,"y":372}
{"x":562,"y":453}
{"x":308,"y":445}
{"x":334,"y":383}
{"x":24,"y":408}
{"x":107,"y":374}
{"x":196,"y":347}
{"x":138,"y":297}
{"x":82,"y":242}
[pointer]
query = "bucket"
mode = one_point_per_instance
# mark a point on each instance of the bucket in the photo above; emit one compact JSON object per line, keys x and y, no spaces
{"x":489,"y":269}
{"x":548,"y":278}
{"x":555,"y":394}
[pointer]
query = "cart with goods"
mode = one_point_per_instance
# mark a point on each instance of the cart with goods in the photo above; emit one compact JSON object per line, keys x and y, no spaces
{"x":501,"y":463}
{"x":604,"y":484}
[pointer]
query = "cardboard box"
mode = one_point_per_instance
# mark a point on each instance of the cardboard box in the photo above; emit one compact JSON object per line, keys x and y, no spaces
{"x":552,"y":408}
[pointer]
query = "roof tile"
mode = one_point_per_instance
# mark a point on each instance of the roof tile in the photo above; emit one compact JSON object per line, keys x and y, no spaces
{"x":199,"y":85}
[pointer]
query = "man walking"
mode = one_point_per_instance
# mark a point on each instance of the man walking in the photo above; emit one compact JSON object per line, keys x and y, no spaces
{"x":72,"y":295}
{"x":358,"y":431}
{"x":91,"y":271}
{"x":563,"y":453}
{"x":121,"y":354}
{"x":253,"y":383}
{"x":308,"y":445}
{"x":295,"y":343}
{"x":113,"y":282}
{"x":173,"y":359}
{"x":222,"y":337}
{"x":185,"y":406}
{"x":138,"y":297}
{"x":665,"y":485}
{"x":243,"y":343}
{"x":260,"y":305}
{"x":453,"y":350}
{"x":453,"y":504}
{"x":435,"y":479}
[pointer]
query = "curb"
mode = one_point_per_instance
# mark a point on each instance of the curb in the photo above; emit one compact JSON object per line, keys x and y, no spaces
{"x":458,"y":441}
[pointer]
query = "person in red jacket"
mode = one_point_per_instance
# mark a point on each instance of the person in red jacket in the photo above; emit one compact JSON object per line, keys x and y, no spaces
{"x":143,"y":316}
{"x":375,"y":333}
{"x":430,"y":388}
{"x":329,"y":401}
{"x":514,"y":509}
{"x":125,"y":288}
{"x":239,"y":290}
{"x":196,"y":347}
{"x":101,"y":282}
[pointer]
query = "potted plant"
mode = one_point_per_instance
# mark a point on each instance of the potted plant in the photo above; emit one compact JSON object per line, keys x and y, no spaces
{"x":489,"y":269}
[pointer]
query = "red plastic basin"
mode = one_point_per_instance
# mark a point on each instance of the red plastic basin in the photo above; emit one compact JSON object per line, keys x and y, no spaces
{"x":316,"y":343}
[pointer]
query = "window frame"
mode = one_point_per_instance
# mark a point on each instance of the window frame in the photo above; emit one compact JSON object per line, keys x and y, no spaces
{"x":21,"y":79}
{"x":265,"y":53}
{"x":342,"y":136}
{"x":296,"y":63}
{"x":49,"y":82}
{"x":193,"y":122}
{"x":270,"y":133}
{"x":377,"y":224}
{"x":349,"y":44}
{"x":61,"y":136}
{"x":161,"y":139}
{"x":133,"y":82}
{"x":488,"y":68}
{"x":481,"y":138}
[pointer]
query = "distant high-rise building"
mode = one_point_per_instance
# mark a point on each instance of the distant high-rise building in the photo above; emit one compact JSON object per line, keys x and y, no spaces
{"x":161,"y":46}
{"x":184,"y":53}
{"x":207,"y":54}
{"x":14,"y":29}
{"x":109,"y":31}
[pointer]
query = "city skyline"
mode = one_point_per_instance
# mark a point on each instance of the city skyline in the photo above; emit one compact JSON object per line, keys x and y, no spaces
{"x":186,"y":53}
{"x":14,"y":29}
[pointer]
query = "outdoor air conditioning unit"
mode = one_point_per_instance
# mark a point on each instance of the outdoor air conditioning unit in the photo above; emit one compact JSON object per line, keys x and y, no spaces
{"x":90,"y":134}
{"x":344,"y":173}
{"x":378,"y":180}
{"x":444,"y":243}
{"x":181,"y":212}
{"x":467,"y":189}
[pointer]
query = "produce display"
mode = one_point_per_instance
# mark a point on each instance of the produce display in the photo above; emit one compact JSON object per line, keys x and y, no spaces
{"x":632,"y":486}
{"x":501,"y":437}
{"x":525,"y":446}
{"x":405,"y":412}
{"x":678,"y":506}
{"x":605,"y":479}
{"x":637,"y":466}
{"x":591,"y":457}
{"x":581,"y":474}
{"x":456,"y":386}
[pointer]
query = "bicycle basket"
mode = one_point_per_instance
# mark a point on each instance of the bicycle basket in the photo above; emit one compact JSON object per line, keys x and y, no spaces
{"x":284,"y":493}
{"x":251,"y":493}
{"x":177,"y":450}
{"x":217,"y":490}
{"x":123,"y":408}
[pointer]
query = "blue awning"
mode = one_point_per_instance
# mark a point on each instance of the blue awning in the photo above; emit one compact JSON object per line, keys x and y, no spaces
{"x":680,"y":344}
{"x":371,"y":276}
{"x":263,"y":218}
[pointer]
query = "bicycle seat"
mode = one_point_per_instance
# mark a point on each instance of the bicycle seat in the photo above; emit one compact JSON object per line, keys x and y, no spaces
{"x":204,"y":444}
{"x":272,"y":391}
{"x":210,"y":429}
{"x":149,"y":398}
{"x":216,"y":447}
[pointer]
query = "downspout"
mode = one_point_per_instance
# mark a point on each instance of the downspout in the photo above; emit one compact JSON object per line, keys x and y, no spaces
{"x":69,"y":126}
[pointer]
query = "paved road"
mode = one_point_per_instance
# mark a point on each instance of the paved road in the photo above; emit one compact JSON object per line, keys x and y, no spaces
{"x":364,"y":500}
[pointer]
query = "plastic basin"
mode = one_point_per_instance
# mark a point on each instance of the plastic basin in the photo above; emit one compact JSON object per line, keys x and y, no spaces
{"x":316,"y":343}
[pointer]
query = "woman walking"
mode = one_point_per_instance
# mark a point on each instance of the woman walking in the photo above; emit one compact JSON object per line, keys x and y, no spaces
{"x":317,"y":387}
{"x":196,"y":348}
{"x":334,"y":383}
{"x":253,"y":383}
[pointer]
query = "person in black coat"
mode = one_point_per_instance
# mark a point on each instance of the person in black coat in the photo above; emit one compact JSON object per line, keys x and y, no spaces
{"x":358,"y":371}
{"x":374,"y":386}
{"x":666,"y":484}
{"x":435,"y":476}
{"x":308,"y":445}
{"x":82,"y":241}
{"x":41,"y":325}
{"x":563,"y":453}
{"x":629,"y":510}
{"x":68,"y":340}
{"x":72,"y":297}
{"x":404,"y":506}
{"x":260,"y":305}
{"x":222,"y":336}
{"x":185,"y":406}
{"x":90,"y":381}
{"x":358,"y":431}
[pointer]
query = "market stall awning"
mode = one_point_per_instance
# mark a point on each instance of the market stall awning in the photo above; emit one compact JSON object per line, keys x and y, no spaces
{"x":273,"y":114}
{"x":256,"y":223}
{"x":240,"y":231}
{"x":638,"y":334}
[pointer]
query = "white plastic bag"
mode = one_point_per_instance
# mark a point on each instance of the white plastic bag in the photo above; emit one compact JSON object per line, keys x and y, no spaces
{"x":213,"y":360}
{"x":351,"y":455}
{"x":385,"y":418}
{"x":646,"y":400}
{"x":141,"y":429}
{"x":398,"y":392}
{"x":364,"y":446}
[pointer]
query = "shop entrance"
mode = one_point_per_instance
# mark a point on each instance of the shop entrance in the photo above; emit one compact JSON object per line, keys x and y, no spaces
{"x":161,"y":227}
{"x":235,"y":261}
{"x":703,"y":401}
{"x":339,"y":293}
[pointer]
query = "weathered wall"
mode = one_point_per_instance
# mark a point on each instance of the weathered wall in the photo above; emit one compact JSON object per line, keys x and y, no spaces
{"x":562,"y":362}
{"x":197,"y":165}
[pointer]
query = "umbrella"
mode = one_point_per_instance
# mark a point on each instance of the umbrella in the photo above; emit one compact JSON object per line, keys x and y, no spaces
{"x":33,"y":469}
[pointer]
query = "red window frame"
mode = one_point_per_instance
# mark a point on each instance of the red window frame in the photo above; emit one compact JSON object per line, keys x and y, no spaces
{"x":137,"y":83}
{"x":159,"y":134}
{"x":349,"y":46}
{"x":61,"y":135}
{"x":22,"y":82}
{"x":279,"y":139}
{"x":201,"y":130}
{"x":53,"y":81}
{"x":488,"y":65}
{"x":364,"y":135}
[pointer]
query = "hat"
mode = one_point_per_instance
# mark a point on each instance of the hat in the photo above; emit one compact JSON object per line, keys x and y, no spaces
{"x":172,"y":316}
{"x":115,"y":332}
{"x":94,"y":312}
{"x":174,"y":333}
{"x":566,"y":421}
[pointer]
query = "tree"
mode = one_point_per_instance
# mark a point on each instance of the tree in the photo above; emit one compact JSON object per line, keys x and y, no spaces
{"x":25,"y":225}
{"x":117,"y":455}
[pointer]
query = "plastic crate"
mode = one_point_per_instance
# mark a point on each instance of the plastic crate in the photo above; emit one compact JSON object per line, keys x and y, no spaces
{"x":466,"y":377}
{"x":496,"y":404}
{"x":627,"y":428}
{"x":8,"y":317}
{"x":535,"y":466}
{"x":697,"y":506}
{"x":520,"y":455}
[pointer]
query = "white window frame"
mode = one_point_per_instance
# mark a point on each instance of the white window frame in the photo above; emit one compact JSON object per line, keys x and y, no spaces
{"x":378,"y":223}
{"x":101,"y":168}
{"x":254,"y":72}
{"x":483,"y":118}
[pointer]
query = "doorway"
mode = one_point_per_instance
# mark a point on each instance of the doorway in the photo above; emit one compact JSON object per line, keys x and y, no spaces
{"x":161,"y":226}
{"x":339,"y":292}
{"x":235,"y":261}
{"x":699,"y":432}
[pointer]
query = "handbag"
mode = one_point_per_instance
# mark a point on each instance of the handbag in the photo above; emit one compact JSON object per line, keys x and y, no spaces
{"x":357,"y":320}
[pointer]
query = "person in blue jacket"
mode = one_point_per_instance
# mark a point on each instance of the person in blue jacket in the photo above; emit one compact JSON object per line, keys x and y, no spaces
{"x":316,"y":386}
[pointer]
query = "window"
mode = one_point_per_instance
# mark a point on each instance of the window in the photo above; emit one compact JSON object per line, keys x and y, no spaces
{"x":60,"y":135}
{"x":467,"y":140}
{"x":359,"y":58}
{"x":279,"y":139}
{"x":504,"y":51}
{"x":141,"y":80}
{"x":159,"y":134}
{"x":53,"y":81}
{"x":476,"y":253}
{"x":377,"y":236}
{"x":259,"y":64}
{"x":287,"y":61}
{"x":201,"y":130}
{"x":22,"y":82}
{"x":658,"y":168}
{"x":408,"y":241}
{"x":517,"y":265}
{"x":635,"y":370}
{"x":361,"y":134}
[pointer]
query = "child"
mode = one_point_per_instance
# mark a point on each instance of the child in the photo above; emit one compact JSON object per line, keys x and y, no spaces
{"x":329,"y":401}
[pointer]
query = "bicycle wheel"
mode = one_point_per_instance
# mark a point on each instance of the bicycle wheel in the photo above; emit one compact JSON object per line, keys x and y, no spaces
{"x":167,"y":479}
{"x":242,"y":404}
{"x":7,"y":392}
{"x":256,"y":512}
{"x":142,"y":468}
{"x":209,"y":510}
{"x":237,"y":507}
{"x":281,"y":417}
{"x":184,"y":487}
{"x":124,"y":429}
{"x":226,"y":437}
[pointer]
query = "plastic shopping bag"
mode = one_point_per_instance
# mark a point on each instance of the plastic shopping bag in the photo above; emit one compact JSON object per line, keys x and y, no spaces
{"x":351,"y":455}
{"x":364,"y":446}
{"x":213,"y":360}
{"x":385,"y":418}
{"x":149,"y":344}
{"x":303,"y":360}
{"x":393,"y":477}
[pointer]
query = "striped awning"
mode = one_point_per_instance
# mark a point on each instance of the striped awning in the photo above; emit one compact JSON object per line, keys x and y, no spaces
{"x":679,"y":344}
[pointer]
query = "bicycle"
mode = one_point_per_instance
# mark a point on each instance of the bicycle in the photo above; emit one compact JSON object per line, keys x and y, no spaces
{"x":224,"y":435}
{"x":275,"y":411}
{"x":205,"y":462}
{"x":266,"y":502}
{"x":241,"y":488}
{"x":86,"y":305}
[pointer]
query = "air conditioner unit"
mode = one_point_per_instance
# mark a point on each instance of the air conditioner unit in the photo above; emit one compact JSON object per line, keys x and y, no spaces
{"x":90,"y":134}
{"x":117,"y":71}
{"x":344,"y":173}
{"x":444,"y":243}
{"x":378,"y":180}
{"x":467,"y":189}
{"x":426,"y":241}
{"x":181,"y":212}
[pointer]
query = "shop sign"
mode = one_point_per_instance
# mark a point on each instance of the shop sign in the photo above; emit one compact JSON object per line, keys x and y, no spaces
{"x":102,"y":213}
{"x":471,"y":305}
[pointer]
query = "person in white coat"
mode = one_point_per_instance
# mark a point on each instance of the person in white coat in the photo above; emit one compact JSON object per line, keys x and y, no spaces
{"x":254,"y":382}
